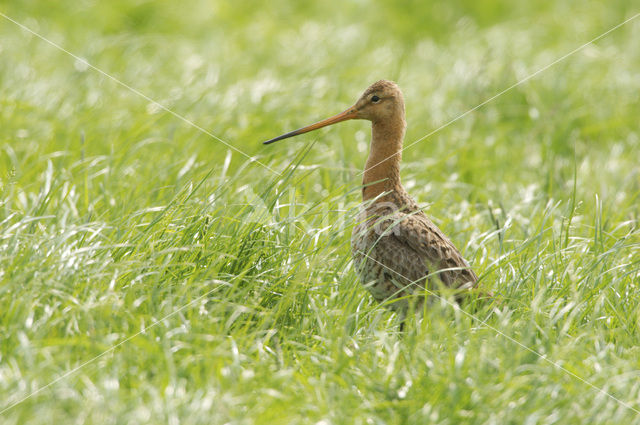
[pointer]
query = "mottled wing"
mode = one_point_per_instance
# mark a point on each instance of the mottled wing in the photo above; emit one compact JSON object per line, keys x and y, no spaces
{"x":394,"y":268}
{"x":418,"y":232}
{"x":407,"y":264}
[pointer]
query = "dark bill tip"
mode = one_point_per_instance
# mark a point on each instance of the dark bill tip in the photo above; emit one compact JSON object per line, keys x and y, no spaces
{"x":284,"y":136}
{"x":349,"y":114}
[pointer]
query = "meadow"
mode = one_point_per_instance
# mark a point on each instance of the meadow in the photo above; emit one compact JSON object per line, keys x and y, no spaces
{"x":158,"y":264}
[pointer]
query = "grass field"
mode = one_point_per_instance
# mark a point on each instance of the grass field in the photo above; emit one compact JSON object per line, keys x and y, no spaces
{"x":150,"y":273}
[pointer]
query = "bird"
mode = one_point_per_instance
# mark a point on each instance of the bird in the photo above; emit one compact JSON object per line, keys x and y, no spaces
{"x":398,"y":252}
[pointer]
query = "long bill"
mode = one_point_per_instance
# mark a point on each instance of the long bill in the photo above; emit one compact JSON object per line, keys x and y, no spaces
{"x":349,"y":114}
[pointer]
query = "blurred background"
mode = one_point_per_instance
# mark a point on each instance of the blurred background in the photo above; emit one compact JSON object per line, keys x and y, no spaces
{"x":247,"y":72}
{"x":115,"y":213}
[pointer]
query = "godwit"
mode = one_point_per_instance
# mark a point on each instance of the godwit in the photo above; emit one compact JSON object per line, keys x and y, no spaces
{"x":397,"y":250}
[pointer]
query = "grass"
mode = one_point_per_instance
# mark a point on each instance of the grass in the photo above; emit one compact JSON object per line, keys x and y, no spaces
{"x":230,"y":287}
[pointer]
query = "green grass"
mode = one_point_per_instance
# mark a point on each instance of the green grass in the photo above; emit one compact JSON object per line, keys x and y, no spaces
{"x":234,"y":283}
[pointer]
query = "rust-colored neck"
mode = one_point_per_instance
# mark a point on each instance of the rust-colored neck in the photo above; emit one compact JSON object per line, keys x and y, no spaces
{"x":382,"y":170}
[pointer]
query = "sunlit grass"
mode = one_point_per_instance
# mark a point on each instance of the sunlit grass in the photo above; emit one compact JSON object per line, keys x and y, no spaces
{"x":118,"y":219}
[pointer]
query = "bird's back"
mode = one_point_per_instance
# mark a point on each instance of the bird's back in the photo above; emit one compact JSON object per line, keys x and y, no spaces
{"x":397,"y":250}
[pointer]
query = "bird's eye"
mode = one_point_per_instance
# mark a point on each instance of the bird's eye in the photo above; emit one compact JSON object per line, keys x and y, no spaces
{"x":375,"y":99}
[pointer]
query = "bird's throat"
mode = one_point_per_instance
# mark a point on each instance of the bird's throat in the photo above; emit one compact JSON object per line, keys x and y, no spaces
{"x":382,"y":169}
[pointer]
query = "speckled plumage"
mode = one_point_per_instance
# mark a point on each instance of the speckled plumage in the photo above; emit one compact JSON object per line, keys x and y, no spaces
{"x":396,"y":249}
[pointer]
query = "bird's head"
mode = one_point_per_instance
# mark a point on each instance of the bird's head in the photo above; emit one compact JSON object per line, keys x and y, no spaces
{"x":382,"y":101}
